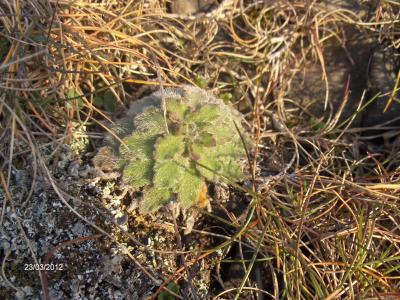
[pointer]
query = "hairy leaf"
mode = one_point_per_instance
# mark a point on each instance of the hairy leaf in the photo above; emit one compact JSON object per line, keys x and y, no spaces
{"x":223,"y":132}
{"x":206,"y":139}
{"x":176,"y":109}
{"x":233,"y":149}
{"x":150,"y":121}
{"x":140,"y":146}
{"x":189,"y":188}
{"x":204,"y":114}
{"x":208,"y":166}
{"x":168,"y":146}
{"x":167,"y":174}
{"x":231,"y":169}
{"x":138,"y":173}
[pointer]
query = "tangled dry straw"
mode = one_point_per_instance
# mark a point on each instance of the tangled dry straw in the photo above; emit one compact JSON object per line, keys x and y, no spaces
{"x":324,"y":221}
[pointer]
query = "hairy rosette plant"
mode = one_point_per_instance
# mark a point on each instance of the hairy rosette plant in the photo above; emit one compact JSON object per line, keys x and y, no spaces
{"x":171,"y":151}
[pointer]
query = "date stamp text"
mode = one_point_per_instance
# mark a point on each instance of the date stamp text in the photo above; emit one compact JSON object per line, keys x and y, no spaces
{"x":43,"y":267}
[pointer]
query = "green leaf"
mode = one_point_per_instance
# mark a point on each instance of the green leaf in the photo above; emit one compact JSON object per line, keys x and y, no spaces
{"x":167,"y":174}
{"x":98,"y":101}
{"x":209,"y":167}
{"x":150,"y":121}
{"x":140,"y":146}
{"x":233,"y":149}
{"x":138,"y":173}
{"x":109,"y":101}
{"x":154,"y":198}
{"x":205,"y":114}
{"x":222,"y":160}
{"x":223,"y":132}
{"x":206,"y":139}
{"x":168,"y":146}
{"x":230,"y":169}
{"x":207,"y":163}
{"x":189,"y":187}
{"x":176,"y":109}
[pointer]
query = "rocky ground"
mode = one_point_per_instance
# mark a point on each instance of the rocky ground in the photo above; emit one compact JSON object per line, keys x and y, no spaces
{"x":88,"y":265}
